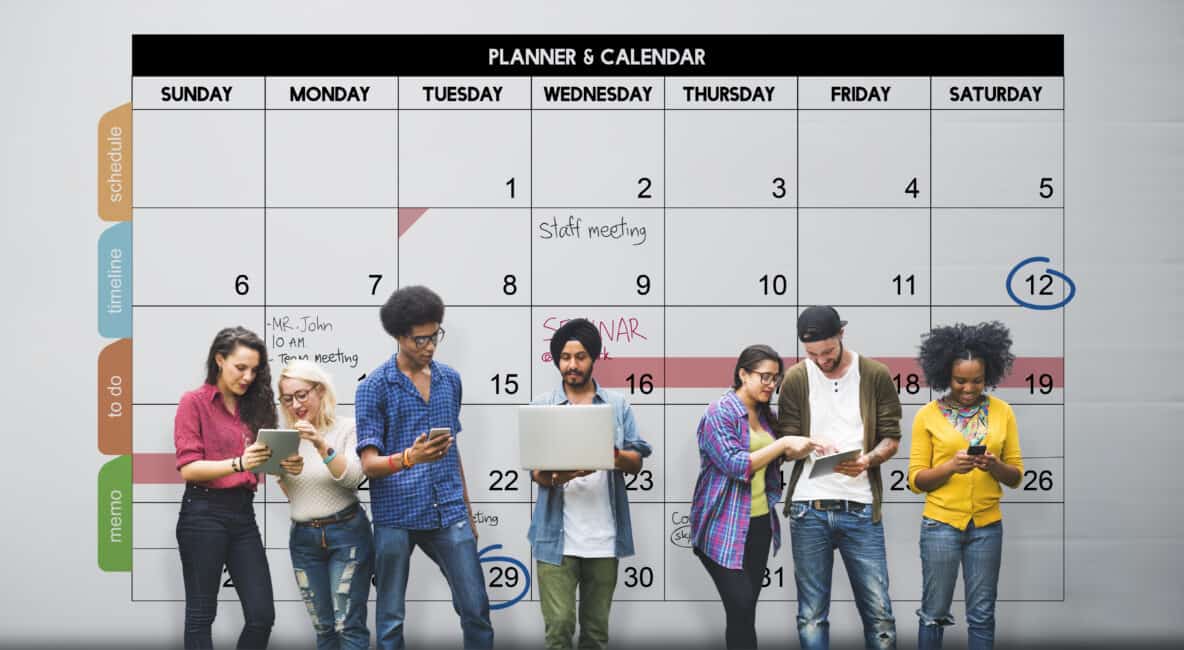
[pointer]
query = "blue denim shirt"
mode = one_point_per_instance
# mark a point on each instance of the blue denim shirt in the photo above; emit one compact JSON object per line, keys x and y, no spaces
{"x":546,"y":526}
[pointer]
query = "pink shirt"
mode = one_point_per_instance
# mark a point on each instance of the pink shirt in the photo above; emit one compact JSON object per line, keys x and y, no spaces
{"x":205,"y":430}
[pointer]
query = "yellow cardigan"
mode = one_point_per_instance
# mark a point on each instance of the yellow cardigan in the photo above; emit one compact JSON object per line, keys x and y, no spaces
{"x":974,"y":495}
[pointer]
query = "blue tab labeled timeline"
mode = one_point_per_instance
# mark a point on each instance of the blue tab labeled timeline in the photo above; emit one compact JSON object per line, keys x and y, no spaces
{"x":115,"y":282}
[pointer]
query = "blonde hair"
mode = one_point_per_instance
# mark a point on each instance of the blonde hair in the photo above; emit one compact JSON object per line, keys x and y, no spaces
{"x":314,"y":374}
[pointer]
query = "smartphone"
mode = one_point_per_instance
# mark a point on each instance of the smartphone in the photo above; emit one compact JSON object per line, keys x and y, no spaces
{"x":976,"y":450}
{"x":436,"y":432}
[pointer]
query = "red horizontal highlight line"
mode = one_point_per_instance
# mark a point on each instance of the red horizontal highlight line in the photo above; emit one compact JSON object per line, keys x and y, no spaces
{"x":684,"y":372}
{"x":159,"y":469}
{"x":716,"y":372}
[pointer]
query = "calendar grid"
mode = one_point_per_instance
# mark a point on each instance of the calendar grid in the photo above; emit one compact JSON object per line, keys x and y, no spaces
{"x":672,"y":303}
{"x":665,"y":319}
{"x":265,"y":321}
{"x":529,"y":331}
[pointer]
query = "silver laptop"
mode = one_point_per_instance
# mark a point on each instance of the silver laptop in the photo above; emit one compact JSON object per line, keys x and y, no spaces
{"x":566,"y":437}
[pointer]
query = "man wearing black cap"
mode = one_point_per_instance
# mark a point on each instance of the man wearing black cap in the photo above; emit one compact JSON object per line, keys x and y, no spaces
{"x":581,"y":526}
{"x":845,"y":401}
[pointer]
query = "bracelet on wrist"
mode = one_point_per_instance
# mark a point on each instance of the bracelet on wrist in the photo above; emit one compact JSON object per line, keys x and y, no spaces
{"x":407,"y":462}
{"x":332,"y":454}
{"x":390,"y":462}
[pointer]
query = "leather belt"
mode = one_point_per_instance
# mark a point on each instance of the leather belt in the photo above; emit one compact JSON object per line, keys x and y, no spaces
{"x":837,"y":504}
{"x":335,"y":518}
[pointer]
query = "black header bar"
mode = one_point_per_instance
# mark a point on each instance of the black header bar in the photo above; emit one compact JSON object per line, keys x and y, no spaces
{"x":946,"y":55}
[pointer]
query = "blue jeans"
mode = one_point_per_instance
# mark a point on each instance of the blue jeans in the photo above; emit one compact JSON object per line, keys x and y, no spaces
{"x":216,"y":529}
{"x":979,"y":551}
{"x":454,"y":550}
{"x":814,"y":535}
{"x":333,"y":564}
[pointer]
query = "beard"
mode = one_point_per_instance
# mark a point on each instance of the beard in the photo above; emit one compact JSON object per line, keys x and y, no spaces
{"x":576,"y":379}
{"x":838,"y":360}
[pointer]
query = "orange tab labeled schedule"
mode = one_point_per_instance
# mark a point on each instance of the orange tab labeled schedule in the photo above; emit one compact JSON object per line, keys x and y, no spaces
{"x":115,"y":164}
{"x":115,"y":398}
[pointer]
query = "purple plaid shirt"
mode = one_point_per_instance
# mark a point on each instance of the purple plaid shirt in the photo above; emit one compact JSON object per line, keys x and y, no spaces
{"x":722,"y":506}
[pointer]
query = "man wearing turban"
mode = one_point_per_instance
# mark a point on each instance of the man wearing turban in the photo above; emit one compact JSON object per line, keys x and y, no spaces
{"x":581,"y":526}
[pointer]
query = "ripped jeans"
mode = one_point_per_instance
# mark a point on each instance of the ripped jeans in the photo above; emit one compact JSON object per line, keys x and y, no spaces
{"x":980,"y":552}
{"x":814,"y":535}
{"x":333,"y":564}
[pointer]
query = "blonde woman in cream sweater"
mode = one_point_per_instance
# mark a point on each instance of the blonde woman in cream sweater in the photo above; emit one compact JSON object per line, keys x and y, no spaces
{"x":330,"y":542}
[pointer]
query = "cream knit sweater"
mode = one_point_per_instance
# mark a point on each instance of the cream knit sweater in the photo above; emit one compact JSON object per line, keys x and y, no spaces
{"x":314,"y":493}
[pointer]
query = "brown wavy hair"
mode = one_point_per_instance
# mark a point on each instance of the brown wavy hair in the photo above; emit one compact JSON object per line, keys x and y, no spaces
{"x":257,"y":406}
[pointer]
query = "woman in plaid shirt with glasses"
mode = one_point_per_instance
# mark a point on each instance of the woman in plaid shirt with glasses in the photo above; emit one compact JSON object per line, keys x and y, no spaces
{"x":732,"y":516}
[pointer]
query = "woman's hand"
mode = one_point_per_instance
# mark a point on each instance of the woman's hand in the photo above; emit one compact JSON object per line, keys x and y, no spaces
{"x":309,"y":432}
{"x":985,"y":461}
{"x":255,"y":455}
{"x":795,"y":447}
{"x":293,"y":464}
{"x":961,"y":463}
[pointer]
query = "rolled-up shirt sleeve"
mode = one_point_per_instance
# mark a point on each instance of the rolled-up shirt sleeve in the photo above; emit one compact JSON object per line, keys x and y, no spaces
{"x":369,"y":419}
{"x":633,"y":440}
{"x":717,"y":439}
{"x":187,"y":436}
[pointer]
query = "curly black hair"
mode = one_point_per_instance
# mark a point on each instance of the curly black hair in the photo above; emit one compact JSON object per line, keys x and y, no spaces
{"x":257,"y":406}
{"x":408,"y":307}
{"x":988,"y":342}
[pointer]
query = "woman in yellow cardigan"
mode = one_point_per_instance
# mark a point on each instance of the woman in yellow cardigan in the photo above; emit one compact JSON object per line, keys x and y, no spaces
{"x":965,"y":444}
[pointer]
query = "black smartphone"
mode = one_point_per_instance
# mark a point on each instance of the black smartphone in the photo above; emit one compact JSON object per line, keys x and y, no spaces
{"x":976,"y":450}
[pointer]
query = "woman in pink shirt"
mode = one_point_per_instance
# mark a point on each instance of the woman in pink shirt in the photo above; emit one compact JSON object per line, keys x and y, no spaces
{"x":214,"y":433}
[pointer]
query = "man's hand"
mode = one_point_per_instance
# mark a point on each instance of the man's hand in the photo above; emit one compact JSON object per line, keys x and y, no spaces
{"x":558,"y":478}
{"x":424,"y":450}
{"x":853,"y":468}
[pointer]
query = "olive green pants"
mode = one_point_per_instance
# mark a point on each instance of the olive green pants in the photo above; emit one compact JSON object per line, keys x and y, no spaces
{"x":596,"y":579}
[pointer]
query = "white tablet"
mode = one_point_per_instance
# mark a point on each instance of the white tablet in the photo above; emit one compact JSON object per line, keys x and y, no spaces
{"x":824,"y":465}
{"x":566,"y":437}
{"x":283,"y":443}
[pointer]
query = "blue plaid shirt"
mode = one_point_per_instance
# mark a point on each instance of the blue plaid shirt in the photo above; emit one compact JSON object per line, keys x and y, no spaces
{"x":721,"y":510}
{"x":390,"y":414}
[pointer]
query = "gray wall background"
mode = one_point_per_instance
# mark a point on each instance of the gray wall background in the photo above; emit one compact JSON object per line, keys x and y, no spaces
{"x":65,"y":64}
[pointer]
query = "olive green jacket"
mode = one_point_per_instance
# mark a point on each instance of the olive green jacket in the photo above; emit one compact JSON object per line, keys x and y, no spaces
{"x":879,"y":408}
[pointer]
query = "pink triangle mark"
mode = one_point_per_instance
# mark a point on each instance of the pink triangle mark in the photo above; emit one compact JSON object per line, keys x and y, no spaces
{"x":408,"y":217}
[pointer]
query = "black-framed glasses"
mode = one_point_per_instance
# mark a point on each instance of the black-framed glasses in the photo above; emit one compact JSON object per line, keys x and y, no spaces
{"x":767,"y":378}
{"x":434,"y":338}
{"x":298,"y":397}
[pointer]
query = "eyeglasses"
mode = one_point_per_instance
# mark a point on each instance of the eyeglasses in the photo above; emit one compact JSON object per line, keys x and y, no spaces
{"x":299,"y":396}
{"x":767,"y":378}
{"x":433,"y":338}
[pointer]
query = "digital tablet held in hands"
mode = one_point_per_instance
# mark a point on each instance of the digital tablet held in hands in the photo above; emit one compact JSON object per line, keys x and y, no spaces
{"x":283,"y":443}
{"x":824,"y":465}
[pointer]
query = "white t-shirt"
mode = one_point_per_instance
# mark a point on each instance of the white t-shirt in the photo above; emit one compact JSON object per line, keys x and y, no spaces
{"x":588,"y":526}
{"x":834,"y":418}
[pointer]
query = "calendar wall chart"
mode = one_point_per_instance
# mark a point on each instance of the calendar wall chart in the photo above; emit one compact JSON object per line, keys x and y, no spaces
{"x":689,"y":194}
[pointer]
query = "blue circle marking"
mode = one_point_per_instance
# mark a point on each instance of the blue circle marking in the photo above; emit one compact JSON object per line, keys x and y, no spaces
{"x":1056,"y":274}
{"x":510,"y":560}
